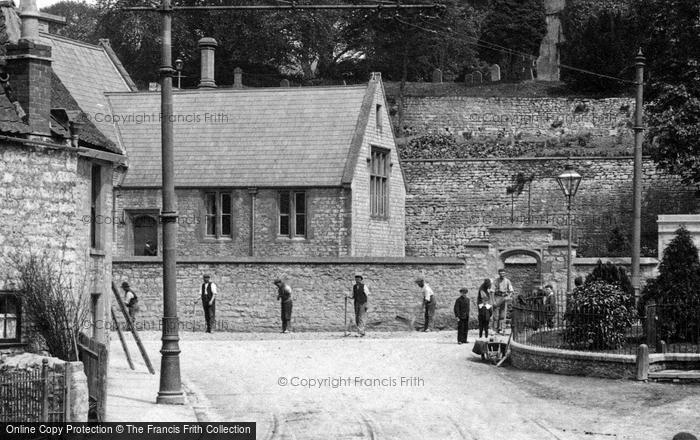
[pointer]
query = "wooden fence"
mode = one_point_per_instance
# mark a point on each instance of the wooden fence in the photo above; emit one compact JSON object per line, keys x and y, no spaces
{"x":39,"y":395}
{"x":94,"y":356}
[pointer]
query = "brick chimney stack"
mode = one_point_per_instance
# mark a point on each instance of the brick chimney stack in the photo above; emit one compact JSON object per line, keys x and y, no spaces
{"x":29,"y":66}
{"x":207,"y":46}
{"x":237,"y":78}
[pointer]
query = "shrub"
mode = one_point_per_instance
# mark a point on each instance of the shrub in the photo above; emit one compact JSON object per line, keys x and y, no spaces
{"x":55,"y":310}
{"x":598,"y":316}
{"x":612,"y":274}
{"x":675,"y":290}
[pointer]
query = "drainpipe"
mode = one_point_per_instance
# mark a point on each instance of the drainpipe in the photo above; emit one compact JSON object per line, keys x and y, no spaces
{"x":253,"y":192}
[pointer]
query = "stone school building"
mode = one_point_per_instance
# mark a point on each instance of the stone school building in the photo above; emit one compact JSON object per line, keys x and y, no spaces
{"x":265,"y":172}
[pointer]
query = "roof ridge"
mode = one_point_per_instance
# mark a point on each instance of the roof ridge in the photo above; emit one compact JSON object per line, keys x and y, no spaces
{"x":71,"y":40}
{"x":250,"y":89}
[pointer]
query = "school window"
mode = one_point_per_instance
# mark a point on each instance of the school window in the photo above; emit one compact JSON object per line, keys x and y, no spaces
{"x":95,"y":207}
{"x":379,"y":117}
{"x":292,"y":214}
{"x":219,"y":214}
{"x":9,"y":317}
{"x":379,"y":183}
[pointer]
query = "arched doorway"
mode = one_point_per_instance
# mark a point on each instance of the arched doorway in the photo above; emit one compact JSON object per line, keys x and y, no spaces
{"x":145,"y":235}
{"x":524,"y":269}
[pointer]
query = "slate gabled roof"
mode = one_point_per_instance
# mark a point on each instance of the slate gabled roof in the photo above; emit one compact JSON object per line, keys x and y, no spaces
{"x":263,"y":137}
{"x":87,"y":72}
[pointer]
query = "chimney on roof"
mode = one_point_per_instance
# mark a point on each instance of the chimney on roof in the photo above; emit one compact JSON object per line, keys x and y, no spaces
{"x":207,"y":46}
{"x":237,"y":78}
{"x":375,"y":76}
{"x":29,"y":66}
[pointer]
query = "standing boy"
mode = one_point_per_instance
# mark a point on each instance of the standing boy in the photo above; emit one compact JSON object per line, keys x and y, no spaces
{"x":503,"y":292}
{"x":462,"y":313}
{"x":429,"y":302}
{"x":360,"y":292}
{"x":208,"y":293}
{"x":284,"y":295}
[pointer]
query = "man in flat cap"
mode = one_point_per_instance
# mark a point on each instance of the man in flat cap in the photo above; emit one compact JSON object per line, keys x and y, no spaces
{"x":360,"y":292}
{"x":131,"y":301}
{"x":209,"y":292}
{"x":429,"y":302}
{"x":284,"y":295}
{"x":462,"y":313}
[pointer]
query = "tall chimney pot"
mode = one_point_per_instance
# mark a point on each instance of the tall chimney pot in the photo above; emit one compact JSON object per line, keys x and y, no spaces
{"x":207,"y":46}
{"x":29,"y":14}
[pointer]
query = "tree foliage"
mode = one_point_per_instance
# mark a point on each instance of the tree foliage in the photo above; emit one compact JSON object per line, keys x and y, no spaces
{"x":81,"y":20}
{"x":601,"y":37}
{"x":518,"y":25}
{"x":598,"y":316}
{"x":611,"y":274}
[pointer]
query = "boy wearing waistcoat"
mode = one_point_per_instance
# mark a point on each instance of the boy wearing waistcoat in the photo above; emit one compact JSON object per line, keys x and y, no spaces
{"x":208,"y":292}
{"x":360,"y":292}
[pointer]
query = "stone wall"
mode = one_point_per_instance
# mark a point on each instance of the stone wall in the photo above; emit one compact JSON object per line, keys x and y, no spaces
{"x":325,"y":217}
{"x":452,"y":203}
{"x":45,"y":206}
{"x":247,"y":296}
{"x":471,"y":117}
{"x":576,"y":363}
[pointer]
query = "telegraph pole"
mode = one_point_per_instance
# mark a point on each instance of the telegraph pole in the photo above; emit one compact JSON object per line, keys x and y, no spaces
{"x":637,"y":181}
{"x":170,"y":391}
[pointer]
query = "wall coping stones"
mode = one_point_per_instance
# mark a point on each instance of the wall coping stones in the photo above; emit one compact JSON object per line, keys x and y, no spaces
{"x":520,"y":226}
{"x":592,"y":261}
{"x":525,"y":158}
{"x":296,"y":260}
{"x":574,"y":355}
{"x":681,"y":357}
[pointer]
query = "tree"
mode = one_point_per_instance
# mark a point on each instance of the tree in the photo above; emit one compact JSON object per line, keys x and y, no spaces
{"x":601,"y":37}
{"x":672,"y":48}
{"x":81,"y":20}
{"x":519,"y":26}
{"x":675,"y":291}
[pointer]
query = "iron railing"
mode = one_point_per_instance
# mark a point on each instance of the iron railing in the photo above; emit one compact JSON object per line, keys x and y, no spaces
{"x":38,"y":395}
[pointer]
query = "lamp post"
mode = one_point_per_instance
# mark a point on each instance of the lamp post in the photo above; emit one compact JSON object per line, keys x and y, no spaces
{"x":568,"y":182}
{"x":179,"y":64}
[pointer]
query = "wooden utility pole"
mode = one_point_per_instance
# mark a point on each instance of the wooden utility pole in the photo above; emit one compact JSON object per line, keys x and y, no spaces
{"x":637,"y":181}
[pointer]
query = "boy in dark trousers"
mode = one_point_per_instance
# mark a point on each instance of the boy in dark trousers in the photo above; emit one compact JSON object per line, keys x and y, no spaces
{"x":462,"y":313}
{"x":485,"y":311}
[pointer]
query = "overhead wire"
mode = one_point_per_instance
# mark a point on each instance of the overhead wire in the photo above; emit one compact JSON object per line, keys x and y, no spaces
{"x":496,"y":47}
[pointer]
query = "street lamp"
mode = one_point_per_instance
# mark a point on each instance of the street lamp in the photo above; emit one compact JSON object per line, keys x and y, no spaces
{"x":179,"y":64}
{"x":568,"y":182}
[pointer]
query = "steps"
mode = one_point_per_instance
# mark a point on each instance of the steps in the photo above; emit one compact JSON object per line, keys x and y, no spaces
{"x":676,"y":376}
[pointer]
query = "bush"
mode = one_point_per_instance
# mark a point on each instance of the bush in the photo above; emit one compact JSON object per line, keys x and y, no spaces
{"x":598,"y":316}
{"x":55,"y":312}
{"x":675,"y":290}
{"x":612,"y":274}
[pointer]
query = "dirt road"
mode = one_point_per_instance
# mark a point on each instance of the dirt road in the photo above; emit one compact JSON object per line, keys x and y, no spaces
{"x":413,"y":386}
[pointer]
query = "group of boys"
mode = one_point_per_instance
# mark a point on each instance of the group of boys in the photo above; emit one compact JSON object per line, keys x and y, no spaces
{"x":494,"y":304}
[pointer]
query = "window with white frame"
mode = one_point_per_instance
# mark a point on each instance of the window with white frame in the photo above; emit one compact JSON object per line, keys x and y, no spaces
{"x":218,"y":218}
{"x":379,"y":182}
{"x":9,"y":317}
{"x":292,"y":214}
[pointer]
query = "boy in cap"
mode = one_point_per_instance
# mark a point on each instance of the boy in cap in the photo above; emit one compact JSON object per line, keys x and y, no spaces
{"x":428,"y":302}
{"x":462,"y":313}
{"x":284,"y":295}
{"x":132,"y":302}
{"x":360,"y":292}
{"x":209,"y":292}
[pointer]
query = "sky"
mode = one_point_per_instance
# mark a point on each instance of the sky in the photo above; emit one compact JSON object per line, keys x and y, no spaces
{"x":44,"y":3}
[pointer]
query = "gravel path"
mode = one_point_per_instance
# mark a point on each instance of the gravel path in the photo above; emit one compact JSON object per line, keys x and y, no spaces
{"x":412,"y":386}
